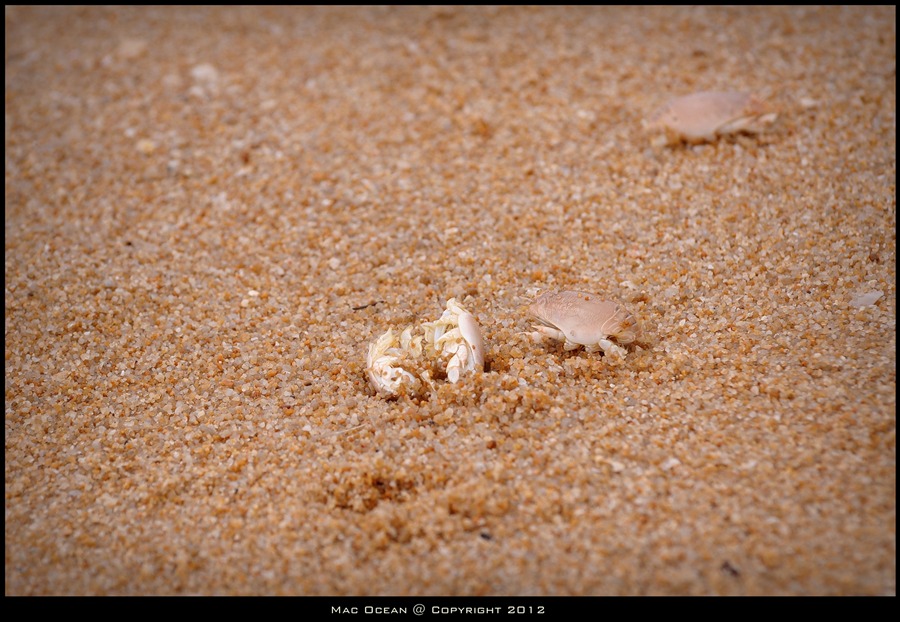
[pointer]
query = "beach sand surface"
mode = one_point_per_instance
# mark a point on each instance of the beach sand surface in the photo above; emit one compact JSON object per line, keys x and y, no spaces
{"x":212,"y":212}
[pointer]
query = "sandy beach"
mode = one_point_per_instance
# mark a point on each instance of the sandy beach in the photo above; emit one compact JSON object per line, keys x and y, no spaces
{"x":212,"y":212}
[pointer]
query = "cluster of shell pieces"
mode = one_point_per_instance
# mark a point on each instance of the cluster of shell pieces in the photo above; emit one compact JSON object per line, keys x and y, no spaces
{"x":408,"y":363}
{"x":701,"y":117}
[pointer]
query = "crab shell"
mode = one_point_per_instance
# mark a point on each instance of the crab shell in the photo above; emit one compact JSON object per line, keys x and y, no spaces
{"x":703,"y":116}
{"x":584,"y":319}
{"x":456,"y":335}
{"x":403,"y":364}
{"x":385,"y":360}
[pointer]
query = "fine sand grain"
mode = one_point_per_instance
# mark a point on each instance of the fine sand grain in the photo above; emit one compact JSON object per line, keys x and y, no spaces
{"x":210,"y":214}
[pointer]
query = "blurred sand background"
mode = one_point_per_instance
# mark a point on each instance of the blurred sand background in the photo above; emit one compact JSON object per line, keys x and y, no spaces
{"x":210,"y":214}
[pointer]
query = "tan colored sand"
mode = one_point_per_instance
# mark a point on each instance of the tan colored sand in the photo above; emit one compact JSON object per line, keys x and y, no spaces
{"x":197,"y":199}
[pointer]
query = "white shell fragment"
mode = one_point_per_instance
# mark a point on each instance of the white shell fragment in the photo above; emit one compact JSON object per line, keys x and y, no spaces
{"x":384,"y":363}
{"x":456,"y":337}
{"x":583,"y":319}
{"x":405,"y":363}
{"x":701,"y":117}
{"x":866,"y":300}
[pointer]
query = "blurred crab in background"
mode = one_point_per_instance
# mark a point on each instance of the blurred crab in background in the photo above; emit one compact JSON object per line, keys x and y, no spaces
{"x":703,"y":116}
